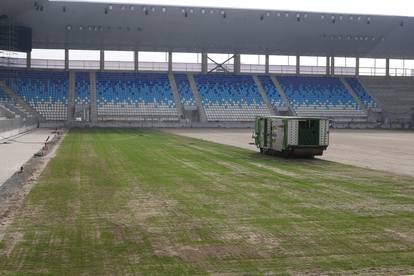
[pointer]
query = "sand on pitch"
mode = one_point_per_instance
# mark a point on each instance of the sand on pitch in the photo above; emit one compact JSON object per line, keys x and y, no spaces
{"x":385,"y":150}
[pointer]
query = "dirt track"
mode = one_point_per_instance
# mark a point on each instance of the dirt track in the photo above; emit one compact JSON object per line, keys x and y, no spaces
{"x":384,"y":150}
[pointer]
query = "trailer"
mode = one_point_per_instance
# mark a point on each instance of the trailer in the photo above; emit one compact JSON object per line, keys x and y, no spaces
{"x":292,"y":136}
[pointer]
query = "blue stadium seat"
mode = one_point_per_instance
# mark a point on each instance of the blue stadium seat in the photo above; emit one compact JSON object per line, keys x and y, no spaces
{"x":362,"y":94}
{"x":82,"y":89}
{"x":230,"y":97}
{"x":320,"y":96}
{"x":44,"y":91}
{"x":184,"y":90}
{"x":131,"y":96}
{"x":271,"y":92}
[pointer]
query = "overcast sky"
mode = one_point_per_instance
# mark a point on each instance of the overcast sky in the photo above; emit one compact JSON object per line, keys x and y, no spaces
{"x":380,"y":7}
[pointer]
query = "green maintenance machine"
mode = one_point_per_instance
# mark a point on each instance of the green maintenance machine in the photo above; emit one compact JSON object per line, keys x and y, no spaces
{"x":292,"y":136}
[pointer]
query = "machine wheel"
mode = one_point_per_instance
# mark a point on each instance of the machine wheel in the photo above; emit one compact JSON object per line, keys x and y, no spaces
{"x":261,"y":150}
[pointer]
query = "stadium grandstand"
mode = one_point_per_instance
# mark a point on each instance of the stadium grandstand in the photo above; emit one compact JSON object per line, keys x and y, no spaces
{"x":142,"y":138}
{"x":344,"y":67}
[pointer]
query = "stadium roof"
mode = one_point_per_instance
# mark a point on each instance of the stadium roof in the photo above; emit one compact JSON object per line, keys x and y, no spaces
{"x":80,"y":25}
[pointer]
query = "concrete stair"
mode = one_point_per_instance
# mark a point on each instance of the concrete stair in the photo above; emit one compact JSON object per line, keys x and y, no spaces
{"x":177,"y":99}
{"x":264,"y":95}
{"x":203,"y":116}
{"x":21,"y":103}
{"x":354,"y":95}
{"x":283,"y":95}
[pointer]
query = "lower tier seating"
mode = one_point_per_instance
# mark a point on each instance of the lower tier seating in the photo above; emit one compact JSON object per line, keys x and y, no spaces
{"x":130,"y":96}
{"x":362,"y":94}
{"x":321,"y":96}
{"x":45,"y":91}
{"x":230,"y":97}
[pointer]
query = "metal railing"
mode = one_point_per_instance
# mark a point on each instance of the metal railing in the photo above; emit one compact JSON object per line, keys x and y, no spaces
{"x":119,"y":65}
{"x":347,"y":71}
{"x":282,"y":69}
{"x":186,"y":67}
{"x":84,"y":64}
{"x":13,"y":62}
{"x":48,"y":63}
{"x":152,"y":66}
{"x":252,"y":68}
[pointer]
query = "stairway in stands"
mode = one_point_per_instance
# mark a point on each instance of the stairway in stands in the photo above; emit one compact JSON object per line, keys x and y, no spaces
{"x":16,"y":104}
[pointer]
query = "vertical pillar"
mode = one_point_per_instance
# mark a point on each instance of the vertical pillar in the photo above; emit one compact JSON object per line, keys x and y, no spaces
{"x":204,"y":63}
{"x":357,"y":66}
{"x":136,"y":61}
{"x":328,"y":65}
{"x":387,"y":67}
{"x":170,"y":62}
{"x":102,"y":60}
{"x":332,"y":65}
{"x":29,"y":60}
{"x":297,"y":65}
{"x":267,"y":64}
{"x":237,"y":63}
{"x":66,"y":59}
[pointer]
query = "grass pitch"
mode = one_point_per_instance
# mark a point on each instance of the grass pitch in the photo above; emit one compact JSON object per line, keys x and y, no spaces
{"x":143,"y":202}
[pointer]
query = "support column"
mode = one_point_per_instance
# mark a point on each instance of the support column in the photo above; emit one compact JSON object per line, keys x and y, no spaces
{"x":29,"y":60}
{"x":170,"y":62}
{"x":332,"y":66}
{"x":357,"y":66}
{"x":204,"y":63}
{"x":71,"y":96}
{"x":102,"y":60}
{"x":328,"y":66}
{"x":297,"y":65}
{"x":267,"y":64}
{"x":387,"y":67}
{"x":237,"y":63}
{"x":136,"y":61}
{"x":66,"y":59}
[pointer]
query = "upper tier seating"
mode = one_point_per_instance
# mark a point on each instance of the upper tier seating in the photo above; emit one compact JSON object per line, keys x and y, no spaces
{"x":44,"y":91}
{"x":362,"y":94}
{"x":321,"y":96}
{"x":230,"y":97}
{"x":82,"y":89}
{"x":131,"y":96}
{"x":184,"y":90}
{"x":271,"y":92}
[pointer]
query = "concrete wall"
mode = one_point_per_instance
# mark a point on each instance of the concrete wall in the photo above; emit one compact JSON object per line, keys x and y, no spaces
{"x":12,"y":127}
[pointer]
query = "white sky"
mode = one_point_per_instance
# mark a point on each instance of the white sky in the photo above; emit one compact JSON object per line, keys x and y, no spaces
{"x":379,"y":7}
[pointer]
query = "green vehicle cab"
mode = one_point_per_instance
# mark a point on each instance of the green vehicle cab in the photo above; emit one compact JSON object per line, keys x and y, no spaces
{"x":292,"y":136}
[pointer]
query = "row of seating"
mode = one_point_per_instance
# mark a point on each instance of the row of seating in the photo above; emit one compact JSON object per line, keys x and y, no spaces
{"x":184,"y":90}
{"x":44,"y":91}
{"x":230,"y":97}
{"x":224,"y":97}
{"x":134,"y":95}
{"x":362,"y":94}
{"x":82,"y":89}
{"x":321,"y":96}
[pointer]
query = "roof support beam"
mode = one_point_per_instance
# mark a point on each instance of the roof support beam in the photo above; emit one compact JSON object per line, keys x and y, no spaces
{"x":170,"y":62}
{"x":66,"y":59}
{"x":387,"y":67}
{"x":267,"y":64}
{"x":237,"y":63}
{"x":357,"y":66}
{"x":297,"y":65}
{"x":101,"y":60}
{"x":29,"y":60}
{"x":136,"y":61}
{"x":204,"y":63}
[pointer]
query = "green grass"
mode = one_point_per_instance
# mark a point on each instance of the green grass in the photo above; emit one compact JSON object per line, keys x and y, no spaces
{"x":123,"y":201}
